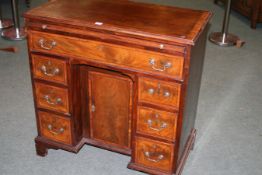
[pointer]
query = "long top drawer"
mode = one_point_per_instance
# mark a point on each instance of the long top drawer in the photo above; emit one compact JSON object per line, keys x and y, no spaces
{"x":130,"y":58}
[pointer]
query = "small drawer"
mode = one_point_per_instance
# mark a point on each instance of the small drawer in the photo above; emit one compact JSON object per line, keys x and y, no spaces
{"x":116,"y":55}
{"x":159,"y":92}
{"x":154,"y":154}
{"x":49,"y":69}
{"x":55,"y":127}
{"x":51,"y":97}
{"x":157,"y":123}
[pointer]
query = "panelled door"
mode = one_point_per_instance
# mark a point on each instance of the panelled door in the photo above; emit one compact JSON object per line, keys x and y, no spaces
{"x":110,"y":104}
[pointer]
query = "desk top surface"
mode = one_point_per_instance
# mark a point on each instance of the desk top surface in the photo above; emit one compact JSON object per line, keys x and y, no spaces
{"x":126,"y":18}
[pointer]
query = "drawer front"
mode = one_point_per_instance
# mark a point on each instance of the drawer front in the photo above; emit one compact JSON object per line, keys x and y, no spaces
{"x":159,"y":92}
{"x":126,"y":57}
{"x":55,"y":127}
{"x":52,"y":98}
{"x":157,"y":123}
{"x":154,"y":154}
{"x":49,"y":69}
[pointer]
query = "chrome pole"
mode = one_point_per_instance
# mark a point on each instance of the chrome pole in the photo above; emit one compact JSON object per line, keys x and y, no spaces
{"x":224,"y":38}
{"x":4,"y":23}
{"x":16,"y":32}
{"x":226,"y":17}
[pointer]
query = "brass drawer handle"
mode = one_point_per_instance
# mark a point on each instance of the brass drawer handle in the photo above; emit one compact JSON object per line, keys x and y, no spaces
{"x":151,"y":91}
{"x":163,"y":67}
{"x":156,"y":124}
{"x":46,"y":45}
{"x":161,"y":125}
{"x":49,"y":71}
{"x":150,"y":156}
{"x":166,"y":93}
{"x":55,"y":102}
{"x":55,"y":132}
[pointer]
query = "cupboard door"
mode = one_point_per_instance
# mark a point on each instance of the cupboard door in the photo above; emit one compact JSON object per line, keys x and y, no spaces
{"x":110,"y":104}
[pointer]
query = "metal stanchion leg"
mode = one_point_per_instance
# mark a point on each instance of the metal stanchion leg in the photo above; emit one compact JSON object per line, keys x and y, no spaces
{"x":224,"y":38}
{"x":5,"y":23}
{"x":14,"y":33}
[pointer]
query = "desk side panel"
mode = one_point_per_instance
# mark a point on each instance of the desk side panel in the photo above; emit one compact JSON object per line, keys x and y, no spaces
{"x":192,"y":92}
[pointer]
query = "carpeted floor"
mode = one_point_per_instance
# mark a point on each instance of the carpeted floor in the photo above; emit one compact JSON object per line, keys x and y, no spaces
{"x":229,"y":118}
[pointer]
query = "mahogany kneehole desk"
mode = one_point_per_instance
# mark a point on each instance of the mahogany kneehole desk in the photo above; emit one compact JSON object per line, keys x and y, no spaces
{"x":120,"y":75}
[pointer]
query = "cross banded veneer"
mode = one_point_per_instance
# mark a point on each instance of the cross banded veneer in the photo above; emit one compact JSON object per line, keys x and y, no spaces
{"x":119,"y":75}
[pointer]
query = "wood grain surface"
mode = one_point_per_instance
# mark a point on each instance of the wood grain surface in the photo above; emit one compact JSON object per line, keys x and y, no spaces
{"x":50,"y":69}
{"x":110,"y":98}
{"x":127,"y":18}
{"x":154,"y":154}
{"x":110,"y":54}
{"x":119,"y":75}
{"x":159,"y":92}
{"x":52,"y":98}
{"x":156,"y":123}
{"x":55,"y":127}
